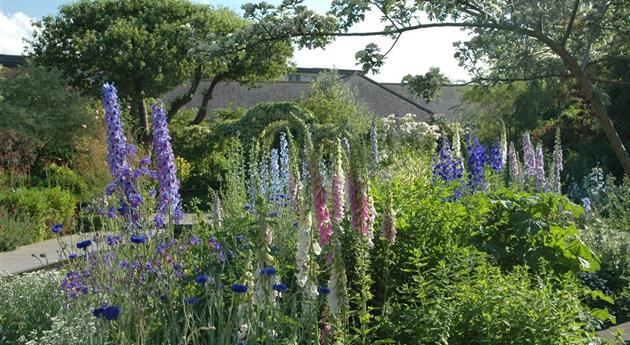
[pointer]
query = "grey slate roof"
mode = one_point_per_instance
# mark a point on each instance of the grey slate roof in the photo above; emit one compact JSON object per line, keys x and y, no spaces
{"x":379,"y":99}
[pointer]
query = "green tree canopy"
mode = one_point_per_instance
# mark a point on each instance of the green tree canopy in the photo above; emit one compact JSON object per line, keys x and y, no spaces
{"x":147,"y":47}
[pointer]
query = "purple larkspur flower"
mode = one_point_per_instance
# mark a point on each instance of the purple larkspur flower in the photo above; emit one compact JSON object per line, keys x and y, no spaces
{"x":496,"y":157}
{"x":284,"y":163}
{"x":476,"y":163}
{"x":529,"y":160}
{"x":194,"y":240}
{"x":117,"y":151}
{"x":169,"y":200}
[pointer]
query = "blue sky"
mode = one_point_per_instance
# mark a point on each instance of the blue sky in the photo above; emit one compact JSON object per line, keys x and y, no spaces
{"x":414,"y":53}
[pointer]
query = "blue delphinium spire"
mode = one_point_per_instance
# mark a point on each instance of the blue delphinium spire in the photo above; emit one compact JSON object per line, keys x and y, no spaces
{"x":373,"y":148}
{"x":169,"y":202}
{"x":496,"y":157}
{"x":275,"y":174}
{"x":284,"y":163}
{"x":447,"y":167}
{"x":476,"y":163}
{"x":529,"y":160}
{"x":117,"y":151}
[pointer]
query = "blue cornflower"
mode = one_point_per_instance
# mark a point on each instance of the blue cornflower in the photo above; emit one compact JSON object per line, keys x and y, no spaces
{"x":84,"y":244}
{"x":273,"y":214}
{"x":239,"y":237}
{"x":248,"y":207}
{"x":73,"y":256}
{"x":239,"y":288}
{"x":323,"y":290}
{"x":202,"y":279}
{"x":194,"y":240}
{"x":137,"y":239}
{"x":111,"y":312}
{"x":296,"y":224}
{"x":57,"y":228}
{"x":97,"y":312}
{"x":268,"y":271}
{"x":280,"y":287}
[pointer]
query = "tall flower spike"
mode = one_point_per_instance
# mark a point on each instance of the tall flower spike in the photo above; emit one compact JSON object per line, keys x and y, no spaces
{"x":516,"y":177}
{"x":529,"y":160}
{"x":284,"y":164}
{"x":557,"y":165}
{"x":388,"y":219}
{"x":321,"y":210}
{"x":169,"y":202}
{"x":476,"y":163}
{"x":539,"y":159}
{"x":496,"y":157}
{"x":117,"y":149}
{"x":116,"y":141}
{"x":374,"y":148}
{"x":457,"y":144}
{"x":338,"y":186}
{"x":275,"y":174}
{"x":503,"y":143}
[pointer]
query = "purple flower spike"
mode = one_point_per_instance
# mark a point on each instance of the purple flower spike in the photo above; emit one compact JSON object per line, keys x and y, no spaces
{"x":169,"y":200}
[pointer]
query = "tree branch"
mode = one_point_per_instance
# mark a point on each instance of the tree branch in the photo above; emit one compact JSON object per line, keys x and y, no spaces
{"x":508,"y":80}
{"x":576,"y":5}
{"x":207,"y":96}
{"x":182,"y":100}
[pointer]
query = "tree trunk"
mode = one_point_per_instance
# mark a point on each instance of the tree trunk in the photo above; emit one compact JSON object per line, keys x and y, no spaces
{"x":597,"y":106}
{"x":182,"y":100}
{"x":142,"y":132}
{"x":207,"y":96}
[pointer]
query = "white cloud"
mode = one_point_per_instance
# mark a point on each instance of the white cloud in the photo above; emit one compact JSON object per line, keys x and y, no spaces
{"x":13,"y":29}
{"x":415,"y":52}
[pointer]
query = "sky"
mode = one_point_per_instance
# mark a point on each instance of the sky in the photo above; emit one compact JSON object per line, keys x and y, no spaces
{"x":415,"y":52}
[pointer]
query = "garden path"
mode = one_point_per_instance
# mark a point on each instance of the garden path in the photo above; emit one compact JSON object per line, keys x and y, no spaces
{"x":609,"y":333}
{"x":37,"y":255}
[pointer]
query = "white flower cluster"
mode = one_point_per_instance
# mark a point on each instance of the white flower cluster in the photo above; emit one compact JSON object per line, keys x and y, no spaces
{"x":409,"y":127}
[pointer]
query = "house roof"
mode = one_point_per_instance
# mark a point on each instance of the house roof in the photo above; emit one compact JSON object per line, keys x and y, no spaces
{"x":12,"y":60}
{"x":379,"y":99}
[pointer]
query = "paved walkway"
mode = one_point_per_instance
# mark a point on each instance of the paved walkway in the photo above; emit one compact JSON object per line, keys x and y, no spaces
{"x":37,"y":255}
{"x":609,"y":333}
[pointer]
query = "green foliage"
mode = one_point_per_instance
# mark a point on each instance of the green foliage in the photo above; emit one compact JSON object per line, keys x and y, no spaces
{"x":66,"y":179}
{"x":16,"y":230}
{"x":29,"y":302}
{"x":464,"y":300}
{"x":521,"y":229}
{"x":427,"y":86}
{"x":17,"y":152}
{"x":41,"y":206}
{"x":43,"y":109}
{"x":333,"y":102}
{"x":612,"y":246}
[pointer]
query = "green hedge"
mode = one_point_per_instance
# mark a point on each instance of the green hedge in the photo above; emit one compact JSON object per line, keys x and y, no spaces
{"x":25,"y":209}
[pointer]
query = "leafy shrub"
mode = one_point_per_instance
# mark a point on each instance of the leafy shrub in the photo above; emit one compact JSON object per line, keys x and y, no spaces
{"x":39,"y":105}
{"x":522,"y":228}
{"x":612,"y":247}
{"x":17,"y":152}
{"x":15,"y":231}
{"x":465,"y":300}
{"x":42,"y":206}
{"x":28,"y":303}
{"x":66,"y":179}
